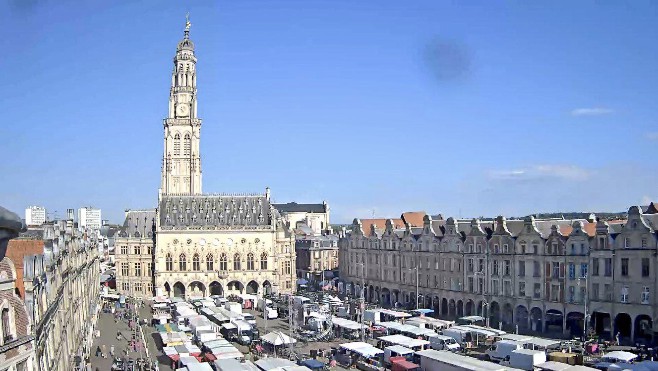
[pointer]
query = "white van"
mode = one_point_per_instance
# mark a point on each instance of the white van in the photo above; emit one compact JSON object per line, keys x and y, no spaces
{"x":460,"y":335}
{"x":442,"y":342}
{"x":525,"y":359}
{"x":501,"y":350}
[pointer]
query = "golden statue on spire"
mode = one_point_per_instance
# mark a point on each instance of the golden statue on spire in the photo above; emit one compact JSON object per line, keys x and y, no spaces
{"x":187,"y":22}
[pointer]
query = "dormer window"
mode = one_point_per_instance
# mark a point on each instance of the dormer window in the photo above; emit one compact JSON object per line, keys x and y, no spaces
{"x":627,"y":242}
{"x":496,"y":249}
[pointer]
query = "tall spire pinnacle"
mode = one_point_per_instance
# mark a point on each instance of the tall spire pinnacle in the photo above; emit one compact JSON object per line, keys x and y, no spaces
{"x":187,"y":25}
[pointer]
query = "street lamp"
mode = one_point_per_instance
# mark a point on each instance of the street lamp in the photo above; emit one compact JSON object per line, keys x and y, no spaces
{"x":363,"y":299}
{"x":417,"y":281}
{"x":484,"y":297}
{"x":585,"y":305}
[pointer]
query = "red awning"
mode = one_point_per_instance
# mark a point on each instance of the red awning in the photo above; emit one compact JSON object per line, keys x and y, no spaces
{"x":174,"y":357}
{"x":209,"y":357}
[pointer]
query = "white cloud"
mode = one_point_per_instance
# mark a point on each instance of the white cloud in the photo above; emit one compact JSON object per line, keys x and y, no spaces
{"x":652,"y":136}
{"x":537,"y":172}
{"x":647,"y":200}
{"x":593,"y":111}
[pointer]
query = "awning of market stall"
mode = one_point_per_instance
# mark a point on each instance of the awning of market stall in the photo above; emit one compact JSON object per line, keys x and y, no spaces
{"x":277,"y":338}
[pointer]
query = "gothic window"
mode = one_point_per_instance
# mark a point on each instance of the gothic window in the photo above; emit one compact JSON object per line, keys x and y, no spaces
{"x":187,"y":145}
{"x":177,"y":144}
{"x":250,"y":262}
{"x":209,"y":262}
{"x":263,"y":261}
{"x":195,"y":263}
{"x":169,"y":265}
{"x":236,"y":262}
{"x":182,"y":262}
{"x":223,"y":263}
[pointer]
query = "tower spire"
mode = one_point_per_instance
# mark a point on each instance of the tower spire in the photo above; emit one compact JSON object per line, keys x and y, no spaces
{"x":187,"y":25}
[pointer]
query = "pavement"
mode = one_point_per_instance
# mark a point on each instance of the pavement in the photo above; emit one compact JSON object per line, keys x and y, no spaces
{"x":108,"y":327}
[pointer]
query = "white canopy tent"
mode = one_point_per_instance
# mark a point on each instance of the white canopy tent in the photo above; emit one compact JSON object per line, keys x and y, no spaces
{"x":277,"y":338}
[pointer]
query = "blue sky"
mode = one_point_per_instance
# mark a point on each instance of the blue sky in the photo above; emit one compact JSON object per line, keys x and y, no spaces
{"x":460,"y":108}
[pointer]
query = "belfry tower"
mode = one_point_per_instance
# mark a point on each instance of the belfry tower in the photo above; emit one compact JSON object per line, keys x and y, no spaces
{"x":181,"y":162}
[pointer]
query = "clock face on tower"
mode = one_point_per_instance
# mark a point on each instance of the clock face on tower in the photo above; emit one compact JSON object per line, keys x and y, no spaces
{"x":182,"y":110}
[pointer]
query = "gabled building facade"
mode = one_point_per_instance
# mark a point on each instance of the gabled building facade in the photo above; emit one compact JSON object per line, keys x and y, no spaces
{"x":540,"y":275}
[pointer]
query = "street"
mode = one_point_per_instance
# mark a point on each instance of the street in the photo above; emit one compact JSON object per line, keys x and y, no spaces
{"x":108,"y":327}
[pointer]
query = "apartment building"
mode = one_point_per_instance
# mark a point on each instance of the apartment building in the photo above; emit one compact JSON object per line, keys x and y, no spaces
{"x":61,"y":295}
{"x":35,"y":215}
{"x":534,"y":274}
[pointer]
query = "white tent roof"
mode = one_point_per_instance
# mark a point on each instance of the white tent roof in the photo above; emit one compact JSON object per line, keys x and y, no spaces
{"x":278,"y":338}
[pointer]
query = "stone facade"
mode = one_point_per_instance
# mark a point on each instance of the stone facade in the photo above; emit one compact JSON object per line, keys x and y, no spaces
{"x":317,"y":257}
{"x":61,"y":294}
{"x":535,"y":274}
{"x":134,"y":254}
{"x":200,"y":244}
{"x":16,"y":339}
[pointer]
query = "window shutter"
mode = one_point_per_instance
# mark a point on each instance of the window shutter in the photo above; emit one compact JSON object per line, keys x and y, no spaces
{"x":561,"y":270}
{"x":548,"y":270}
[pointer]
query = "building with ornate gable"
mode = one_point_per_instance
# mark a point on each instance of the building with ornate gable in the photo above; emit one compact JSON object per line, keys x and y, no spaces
{"x":197,"y":244}
{"x":537,"y":274}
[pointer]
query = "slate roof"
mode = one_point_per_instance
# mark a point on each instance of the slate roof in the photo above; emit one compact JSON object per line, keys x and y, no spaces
{"x":138,"y":223}
{"x":294,"y":207}
{"x":215,"y":210}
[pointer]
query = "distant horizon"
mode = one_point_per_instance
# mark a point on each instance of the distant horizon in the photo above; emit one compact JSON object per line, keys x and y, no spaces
{"x":481,"y":217}
{"x":472,"y":109}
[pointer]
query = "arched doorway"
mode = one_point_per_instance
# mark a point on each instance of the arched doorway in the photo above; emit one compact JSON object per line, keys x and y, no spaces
{"x":574,"y":323}
{"x":378,"y":295}
{"x":395,"y":298}
{"x":494,"y":314}
{"x":167,"y":288}
{"x":480,"y":309}
{"x":554,"y":321}
{"x":252,"y":288}
{"x":452,"y":308}
{"x":386,"y":297}
{"x":536,"y":320}
{"x":428,"y":302}
{"x":623,"y":324}
{"x":436,"y":305}
{"x":508,"y":314}
{"x":643,"y":329}
{"x":521,"y":317}
{"x":444,"y":306}
{"x":371,"y":294}
{"x":234,"y":287}
{"x":179,"y":290}
{"x":460,"y":309}
{"x":469,"y":308}
{"x":216,"y":288}
{"x":602,"y":324}
{"x":197,"y":290}
{"x":267,"y":288}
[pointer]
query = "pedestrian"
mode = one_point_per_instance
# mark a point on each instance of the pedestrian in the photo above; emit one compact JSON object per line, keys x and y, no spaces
{"x":112,"y":351}
{"x":103,"y":351}
{"x":617,"y":338}
{"x":98,"y":351}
